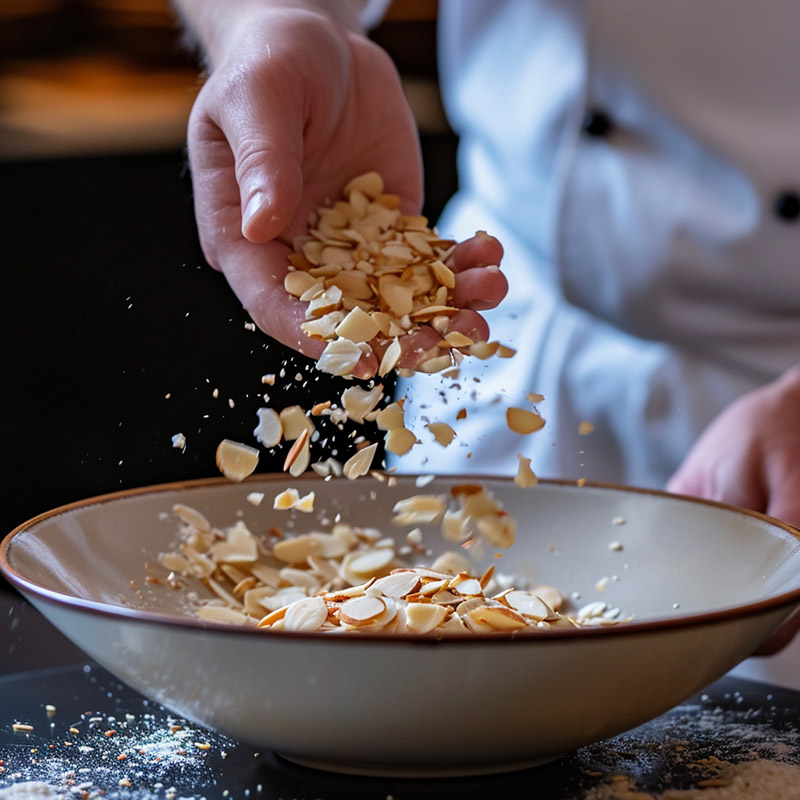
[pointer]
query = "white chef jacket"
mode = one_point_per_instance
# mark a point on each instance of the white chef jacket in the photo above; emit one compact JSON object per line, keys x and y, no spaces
{"x":640,"y":163}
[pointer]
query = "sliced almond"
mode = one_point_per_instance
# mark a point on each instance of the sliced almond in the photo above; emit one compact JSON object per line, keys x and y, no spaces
{"x":236,"y":460}
{"x":483,"y":350}
{"x":360,"y":463}
{"x":419,"y":509}
{"x":550,"y":595}
{"x":239,"y":546}
{"x":451,"y":562}
{"x":294,"y":422}
{"x":398,"y":296}
{"x":295,"y":449}
{"x":469,"y":587}
{"x":528,"y":604}
{"x":522,"y":421}
{"x":458,"y":339}
{"x":306,"y":615}
{"x":222,"y":614}
{"x":295,"y":550}
{"x":359,"y":402}
{"x":499,"y":530}
{"x":269,"y":430}
{"x":297,"y":282}
{"x":397,"y":584}
{"x":391,"y":417}
{"x":424,"y":617}
{"x":305,"y":503}
{"x":498,"y":618}
{"x":369,"y":184}
{"x":525,"y":476}
{"x":436,"y":364}
{"x":357,"y":326}
{"x":391,"y":357}
{"x":371,"y":563}
{"x":361,"y":610}
{"x":442,"y":432}
{"x":192,"y":517}
{"x":399,"y":441}
{"x":339,"y":357}
{"x":286,"y":499}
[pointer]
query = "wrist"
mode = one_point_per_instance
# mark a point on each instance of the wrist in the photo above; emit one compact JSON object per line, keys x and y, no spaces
{"x":212,"y":26}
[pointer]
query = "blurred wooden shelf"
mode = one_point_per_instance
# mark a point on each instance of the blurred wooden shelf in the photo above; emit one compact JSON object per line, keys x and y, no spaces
{"x":92,"y":105}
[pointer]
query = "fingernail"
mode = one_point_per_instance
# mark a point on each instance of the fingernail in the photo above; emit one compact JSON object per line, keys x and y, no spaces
{"x":254,"y":204}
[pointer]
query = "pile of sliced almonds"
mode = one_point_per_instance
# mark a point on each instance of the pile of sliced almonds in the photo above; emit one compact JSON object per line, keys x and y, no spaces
{"x":352,"y":579}
{"x":370,"y":275}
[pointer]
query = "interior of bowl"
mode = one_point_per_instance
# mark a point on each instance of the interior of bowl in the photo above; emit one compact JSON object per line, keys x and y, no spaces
{"x":652,"y":555}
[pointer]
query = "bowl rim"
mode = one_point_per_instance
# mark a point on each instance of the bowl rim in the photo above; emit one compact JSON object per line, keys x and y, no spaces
{"x":31,"y":589}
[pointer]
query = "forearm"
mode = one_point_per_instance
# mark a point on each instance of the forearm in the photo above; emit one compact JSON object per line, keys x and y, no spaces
{"x":211,"y":24}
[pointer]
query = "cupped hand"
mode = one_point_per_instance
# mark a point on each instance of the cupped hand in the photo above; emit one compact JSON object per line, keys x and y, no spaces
{"x":295,"y":106}
{"x":750,"y":457}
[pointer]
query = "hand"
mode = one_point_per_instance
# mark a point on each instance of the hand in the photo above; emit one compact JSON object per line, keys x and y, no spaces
{"x":750,"y":456}
{"x":296,"y":105}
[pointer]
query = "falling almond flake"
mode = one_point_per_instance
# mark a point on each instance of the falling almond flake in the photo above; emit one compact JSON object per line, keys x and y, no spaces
{"x":391,"y":417}
{"x":294,"y":422}
{"x":339,"y":357}
{"x":525,"y":476}
{"x":360,"y":463}
{"x":286,"y":499}
{"x":399,"y":441}
{"x":305,"y":503}
{"x":295,"y":450}
{"x":522,"y":421}
{"x":442,"y":432}
{"x":585,"y":427}
{"x":236,"y":460}
{"x":390,"y":358}
{"x":358,"y":402}
{"x":269,"y":430}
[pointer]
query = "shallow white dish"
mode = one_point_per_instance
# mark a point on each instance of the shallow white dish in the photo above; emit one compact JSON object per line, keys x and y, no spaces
{"x":706,"y":584}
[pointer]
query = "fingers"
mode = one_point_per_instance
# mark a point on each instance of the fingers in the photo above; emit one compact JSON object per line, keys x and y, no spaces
{"x":480,"y":288}
{"x":480,"y":284}
{"x":482,"y":250}
{"x":245,"y":167}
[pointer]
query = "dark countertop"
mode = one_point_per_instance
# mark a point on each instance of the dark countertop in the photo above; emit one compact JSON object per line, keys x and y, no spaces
{"x":92,"y":736}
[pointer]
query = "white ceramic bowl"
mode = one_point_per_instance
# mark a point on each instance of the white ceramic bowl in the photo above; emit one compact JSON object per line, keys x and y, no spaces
{"x":706,"y":585}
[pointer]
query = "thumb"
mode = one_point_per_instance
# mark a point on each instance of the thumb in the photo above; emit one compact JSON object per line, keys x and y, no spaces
{"x":246,"y":171}
{"x":267,"y":148}
{"x":270,"y":187}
